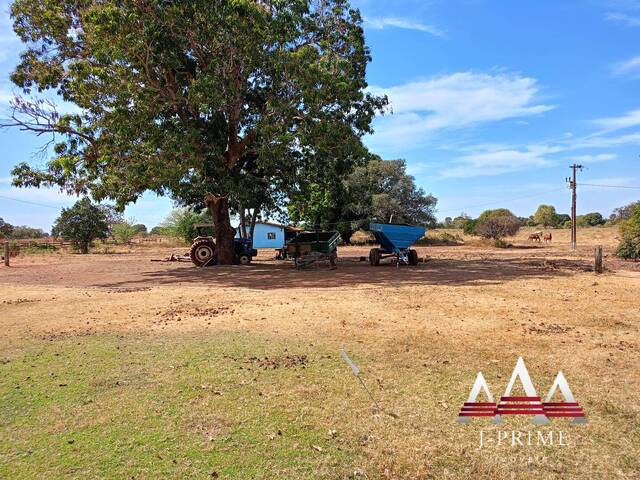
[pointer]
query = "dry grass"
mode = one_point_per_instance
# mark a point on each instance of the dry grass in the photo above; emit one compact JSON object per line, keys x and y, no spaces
{"x":171,"y":371}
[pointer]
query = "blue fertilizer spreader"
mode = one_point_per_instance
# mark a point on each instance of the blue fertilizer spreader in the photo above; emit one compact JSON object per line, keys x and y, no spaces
{"x":395,"y":241}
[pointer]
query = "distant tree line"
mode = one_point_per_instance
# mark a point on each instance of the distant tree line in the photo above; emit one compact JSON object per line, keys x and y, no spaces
{"x":547,"y":217}
{"x":18,"y":232}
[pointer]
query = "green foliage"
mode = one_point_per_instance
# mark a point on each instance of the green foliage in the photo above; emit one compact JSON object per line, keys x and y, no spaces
{"x":382,"y":189}
{"x":629,"y":228}
{"x":37,"y":248}
{"x":496,"y":224}
{"x":123,"y":232}
{"x":376,"y":191}
{"x":460,"y":220}
{"x":140,"y":228}
{"x":180,"y":224}
{"x":24,"y":232}
{"x":82,"y":223}
{"x":545,"y":215}
{"x":469,"y":226}
{"x":622,"y":213}
{"x":251,"y":101}
{"x":590,"y":220}
{"x":6,"y":229}
{"x":562,"y":219}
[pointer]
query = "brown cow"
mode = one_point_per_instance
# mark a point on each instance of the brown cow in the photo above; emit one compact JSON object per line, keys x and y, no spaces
{"x":547,"y":237}
{"x":535,"y":236}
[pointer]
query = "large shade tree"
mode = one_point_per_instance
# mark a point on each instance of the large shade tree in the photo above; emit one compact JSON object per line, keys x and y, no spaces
{"x":220,"y":103}
{"x":378,"y":190}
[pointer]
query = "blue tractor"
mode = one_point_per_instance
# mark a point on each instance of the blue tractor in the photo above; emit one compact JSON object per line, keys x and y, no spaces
{"x":203,"y":249}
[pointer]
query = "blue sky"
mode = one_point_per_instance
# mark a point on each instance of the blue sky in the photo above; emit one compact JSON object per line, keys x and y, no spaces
{"x":492,"y":101}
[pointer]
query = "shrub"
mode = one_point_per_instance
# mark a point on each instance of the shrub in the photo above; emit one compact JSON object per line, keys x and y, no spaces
{"x":444,"y":238}
{"x":469,"y":226}
{"x":629,"y":246}
{"x":124,"y":232}
{"x":180,"y":224}
{"x":36,"y":248}
{"x":590,"y":220}
{"x":497,"y":224}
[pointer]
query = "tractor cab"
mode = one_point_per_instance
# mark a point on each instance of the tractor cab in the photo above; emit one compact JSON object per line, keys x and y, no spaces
{"x":203,"y":251}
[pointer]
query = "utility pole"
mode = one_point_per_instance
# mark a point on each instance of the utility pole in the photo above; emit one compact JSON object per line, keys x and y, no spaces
{"x":572,"y":185}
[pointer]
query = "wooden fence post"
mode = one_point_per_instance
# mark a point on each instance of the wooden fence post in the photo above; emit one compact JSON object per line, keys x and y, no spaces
{"x":6,"y":254}
{"x":598,"y":267}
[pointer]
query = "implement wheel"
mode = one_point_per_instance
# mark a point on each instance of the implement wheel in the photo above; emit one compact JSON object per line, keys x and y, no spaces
{"x":244,"y":259}
{"x":413,"y":257}
{"x":374,"y":257}
{"x":203,"y":252}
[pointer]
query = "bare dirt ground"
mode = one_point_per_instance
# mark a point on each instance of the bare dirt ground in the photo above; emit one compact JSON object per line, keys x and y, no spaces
{"x":420,"y":334}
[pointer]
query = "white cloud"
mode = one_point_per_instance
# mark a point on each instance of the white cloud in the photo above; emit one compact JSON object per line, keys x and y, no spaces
{"x":497,"y":162}
{"x":453,"y":101}
{"x":602,"y":157}
{"x":629,"y":119}
{"x":601,"y":141}
{"x":383,"y":22}
{"x":628,"y":67}
{"x":628,"y":20}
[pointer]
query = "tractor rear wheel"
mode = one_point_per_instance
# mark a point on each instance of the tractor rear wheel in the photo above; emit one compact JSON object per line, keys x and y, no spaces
{"x":203,"y":252}
{"x":413,"y":257}
{"x":374,"y":257}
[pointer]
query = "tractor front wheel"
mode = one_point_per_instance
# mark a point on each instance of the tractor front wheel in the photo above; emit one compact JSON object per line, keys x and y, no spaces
{"x":244,"y":259}
{"x":203,"y":252}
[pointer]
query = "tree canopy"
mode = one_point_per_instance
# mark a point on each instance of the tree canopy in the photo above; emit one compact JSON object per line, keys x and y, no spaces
{"x":82,"y":223}
{"x":379,"y":190}
{"x":629,"y":228}
{"x":546,"y":215}
{"x":223,"y":103}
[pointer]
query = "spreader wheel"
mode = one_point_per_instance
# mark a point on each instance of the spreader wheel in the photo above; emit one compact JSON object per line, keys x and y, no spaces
{"x":203,"y":252}
{"x":374,"y":257}
{"x":413,"y":257}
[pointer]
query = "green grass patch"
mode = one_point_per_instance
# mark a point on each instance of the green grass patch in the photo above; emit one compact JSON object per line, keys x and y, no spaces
{"x":171,"y":407}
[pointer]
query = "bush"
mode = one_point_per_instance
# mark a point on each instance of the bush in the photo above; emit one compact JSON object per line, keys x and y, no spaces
{"x":124,"y":232}
{"x":497,"y":224}
{"x":629,"y":246}
{"x":590,"y":220}
{"x":37,"y":248}
{"x":444,"y":238}
{"x":469,"y":226}
{"x":180,"y":224}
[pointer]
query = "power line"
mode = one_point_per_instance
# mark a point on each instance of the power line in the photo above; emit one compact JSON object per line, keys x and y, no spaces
{"x":30,"y":203}
{"x":608,"y":186}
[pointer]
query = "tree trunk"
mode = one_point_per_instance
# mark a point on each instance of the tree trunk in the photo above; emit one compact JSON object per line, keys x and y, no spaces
{"x":243,"y":222}
{"x":84,"y":247}
{"x":219,"y":208}
{"x":254,"y":217}
{"x":346,"y":236}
